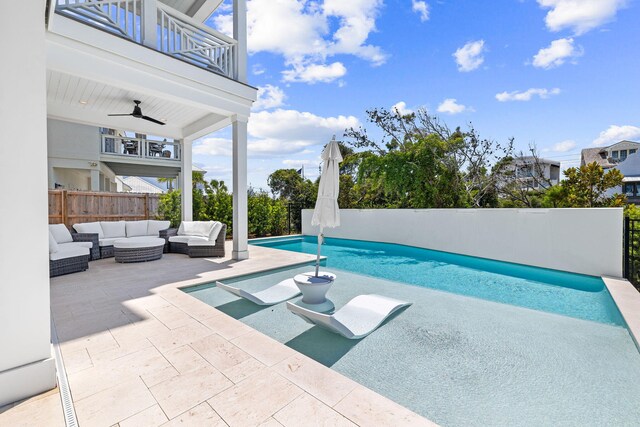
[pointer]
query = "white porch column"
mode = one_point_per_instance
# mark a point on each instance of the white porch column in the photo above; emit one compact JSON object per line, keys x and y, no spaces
{"x":185,"y":180}
{"x":26,"y":365}
{"x":240,"y":35}
{"x":95,"y":180}
{"x":240,"y":217}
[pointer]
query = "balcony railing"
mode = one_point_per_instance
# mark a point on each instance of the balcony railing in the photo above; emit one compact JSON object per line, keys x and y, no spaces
{"x":160,"y":27}
{"x":140,"y":148}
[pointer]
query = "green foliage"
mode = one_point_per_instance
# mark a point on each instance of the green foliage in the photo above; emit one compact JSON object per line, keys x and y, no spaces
{"x":212,"y":201}
{"x":169,"y":207}
{"x":420,"y":163}
{"x":587,"y":186}
{"x":287,"y":184}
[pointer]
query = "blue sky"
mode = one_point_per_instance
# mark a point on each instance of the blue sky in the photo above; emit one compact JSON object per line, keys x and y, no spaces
{"x":560,"y":74}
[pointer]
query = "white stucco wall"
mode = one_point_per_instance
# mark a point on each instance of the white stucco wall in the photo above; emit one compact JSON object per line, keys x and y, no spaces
{"x":587,"y":241}
{"x":26,"y":366}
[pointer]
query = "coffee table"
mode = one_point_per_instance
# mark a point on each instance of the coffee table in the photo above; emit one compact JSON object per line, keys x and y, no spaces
{"x":138,"y":249}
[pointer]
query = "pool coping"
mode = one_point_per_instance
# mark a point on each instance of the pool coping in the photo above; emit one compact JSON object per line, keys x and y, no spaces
{"x":627,"y":299}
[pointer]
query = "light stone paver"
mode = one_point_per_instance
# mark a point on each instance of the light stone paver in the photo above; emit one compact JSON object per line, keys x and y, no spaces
{"x":326,"y":385}
{"x":42,"y":410}
{"x":114,"y":404}
{"x":183,"y":391}
{"x":138,"y":349}
{"x":200,"y":415}
{"x":255,"y":399}
{"x":219,"y":352}
{"x":313,"y":412}
{"x":150,"y":417}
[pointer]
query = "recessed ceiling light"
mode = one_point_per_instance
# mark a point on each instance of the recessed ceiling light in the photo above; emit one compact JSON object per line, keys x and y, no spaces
{"x":163,"y":120}
{"x":83,"y":102}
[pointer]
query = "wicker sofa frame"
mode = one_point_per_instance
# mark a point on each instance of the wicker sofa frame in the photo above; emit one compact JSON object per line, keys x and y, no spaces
{"x":94,"y":252}
{"x":68,"y":265}
{"x":198,"y":251}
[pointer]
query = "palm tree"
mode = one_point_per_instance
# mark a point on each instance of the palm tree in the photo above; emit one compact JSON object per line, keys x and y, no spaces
{"x":169,"y":181}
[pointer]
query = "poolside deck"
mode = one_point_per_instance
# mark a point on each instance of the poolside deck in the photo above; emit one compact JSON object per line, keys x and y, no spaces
{"x":138,"y":351}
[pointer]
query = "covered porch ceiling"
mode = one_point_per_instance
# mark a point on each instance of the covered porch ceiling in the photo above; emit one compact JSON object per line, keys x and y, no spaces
{"x":80,"y":100}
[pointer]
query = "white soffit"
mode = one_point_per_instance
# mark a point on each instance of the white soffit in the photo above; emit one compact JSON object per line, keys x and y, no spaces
{"x":92,"y":101}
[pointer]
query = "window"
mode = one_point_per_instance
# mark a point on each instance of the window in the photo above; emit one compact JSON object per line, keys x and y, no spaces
{"x":632,"y":151}
{"x":623,"y":154}
{"x":629,"y":189}
{"x":614,"y":155}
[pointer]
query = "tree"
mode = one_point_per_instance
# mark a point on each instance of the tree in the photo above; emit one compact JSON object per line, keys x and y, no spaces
{"x":287,"y":184}
{"x":523,"y":181}
{"x":169,"y":181}
{"x":588,"y":187}
{"x":420,"y":163}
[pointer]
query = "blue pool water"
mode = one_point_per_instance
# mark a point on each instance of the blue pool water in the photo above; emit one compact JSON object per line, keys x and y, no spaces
{"x":574,"y":295}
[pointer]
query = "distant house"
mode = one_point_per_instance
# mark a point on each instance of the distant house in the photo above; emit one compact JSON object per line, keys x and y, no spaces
{"x":610,"y":156}
{"x":536,"y":173}
{"x":630,"y":168}
{"x":135,"y":184}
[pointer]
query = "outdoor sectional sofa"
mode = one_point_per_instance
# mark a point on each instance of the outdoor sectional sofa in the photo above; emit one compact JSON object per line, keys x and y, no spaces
{"x":198,"y":239}
{"x":107,"y":232}
{"x":193,"y":238}
{"x":70,"y":253}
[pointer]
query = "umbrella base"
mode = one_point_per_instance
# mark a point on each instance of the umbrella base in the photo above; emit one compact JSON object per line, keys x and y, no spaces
{"x":314,"y":290}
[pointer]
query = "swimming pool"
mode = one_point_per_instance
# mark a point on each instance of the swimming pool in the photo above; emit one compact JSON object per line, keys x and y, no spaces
{"x":568,"y":294}
{"x":460,"y":360}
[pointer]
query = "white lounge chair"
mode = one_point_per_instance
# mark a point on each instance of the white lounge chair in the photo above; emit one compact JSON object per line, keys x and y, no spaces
{"x":283,"y":291}
{"x":357,"y":319}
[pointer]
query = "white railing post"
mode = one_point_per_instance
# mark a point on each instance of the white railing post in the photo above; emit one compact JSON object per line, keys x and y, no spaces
{"x":240,"y":34}
{"x":150,"y":23}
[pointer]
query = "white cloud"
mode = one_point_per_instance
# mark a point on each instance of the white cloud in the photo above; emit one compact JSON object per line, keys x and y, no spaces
{"x":526,"y":95}
{"x":213,"y":147}
{"x":580,"y":16}
{"x":305,"y":34}
{"x":314,"y":73}
{"x":269,"y":96}
{"x":401,"y":108}
{"x":258,"y":69}
{"x":281,"y":132}
{"x":421,"y":8}
{"x":556,"y":54}
{"x":469,"y":57}
{"x":564,"y":146}
{"x":451,"y":106}
{"x":616,"y":134}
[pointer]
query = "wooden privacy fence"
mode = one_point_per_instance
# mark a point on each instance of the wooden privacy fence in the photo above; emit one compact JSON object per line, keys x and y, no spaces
{"x":71,"y":207}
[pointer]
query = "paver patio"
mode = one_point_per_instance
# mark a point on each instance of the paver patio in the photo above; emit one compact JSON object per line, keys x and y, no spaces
{"x":138,"y":351}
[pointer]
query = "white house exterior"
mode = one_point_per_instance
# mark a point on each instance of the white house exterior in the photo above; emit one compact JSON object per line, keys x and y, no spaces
{"x":68,"y":64}
{"x":535,"y":172}
{"x":608,"y":157}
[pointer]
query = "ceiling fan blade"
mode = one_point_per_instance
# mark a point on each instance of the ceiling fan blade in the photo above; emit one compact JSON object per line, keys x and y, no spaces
{"x":113,"y":115}
{"x":151,"y":119}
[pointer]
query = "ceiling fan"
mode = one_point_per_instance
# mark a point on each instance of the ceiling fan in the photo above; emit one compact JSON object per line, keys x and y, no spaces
{"x":137,"y":113}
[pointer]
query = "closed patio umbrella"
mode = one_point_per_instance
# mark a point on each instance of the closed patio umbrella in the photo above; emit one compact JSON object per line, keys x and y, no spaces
{"x":327,"y":212}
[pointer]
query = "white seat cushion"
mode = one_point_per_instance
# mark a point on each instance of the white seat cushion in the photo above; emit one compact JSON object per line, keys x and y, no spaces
{"x":53,"y":245}
{"x":113,"y":229}
{"x":68,"y":253}
{"x":187,"y":239}
{"x":136,"y":228}
{"x":89,"y":227}
{"x":68,"y":245}
{"x":215,"y":231}
{"x":197,"y":241}
{"x":109,"y":242}
{"x":147,"y":242}
{"x":154,"y":227}
{"x":60,"y":233}
{"x":196,"y":228}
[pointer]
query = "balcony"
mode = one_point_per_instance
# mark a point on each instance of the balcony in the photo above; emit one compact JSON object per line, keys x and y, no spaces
{"x":159,"y":27}
{"x":140,"y":148}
